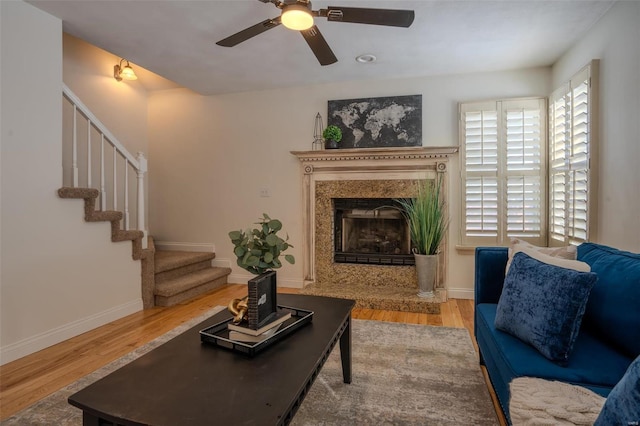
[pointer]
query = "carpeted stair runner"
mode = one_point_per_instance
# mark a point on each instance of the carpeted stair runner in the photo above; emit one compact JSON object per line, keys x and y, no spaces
{"x":181,"y":275}
{"x":89,"y":195}
{"x":168,"y":277}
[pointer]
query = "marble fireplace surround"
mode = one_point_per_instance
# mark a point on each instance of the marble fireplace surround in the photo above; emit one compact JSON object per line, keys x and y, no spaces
{"x":364,"y":173}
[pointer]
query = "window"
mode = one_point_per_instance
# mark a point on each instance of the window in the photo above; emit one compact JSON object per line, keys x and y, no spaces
{"x":571,"y":148}
{"x":503,"y":146}
{"x":508,"y":179}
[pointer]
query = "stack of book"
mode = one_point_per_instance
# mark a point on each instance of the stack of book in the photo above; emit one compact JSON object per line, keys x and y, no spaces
{"x":244,"y":333}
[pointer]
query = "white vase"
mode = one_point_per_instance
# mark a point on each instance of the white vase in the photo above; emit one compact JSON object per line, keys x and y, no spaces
{"x":426,"y":268}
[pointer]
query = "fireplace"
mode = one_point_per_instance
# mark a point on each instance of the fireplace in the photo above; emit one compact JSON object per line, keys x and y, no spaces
{"x":331,"y":177}
{"x":371,"y":231}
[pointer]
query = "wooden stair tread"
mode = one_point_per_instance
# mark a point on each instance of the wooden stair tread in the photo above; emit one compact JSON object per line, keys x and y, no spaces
{"x":186,"y":282}
{"x":166,"y":260}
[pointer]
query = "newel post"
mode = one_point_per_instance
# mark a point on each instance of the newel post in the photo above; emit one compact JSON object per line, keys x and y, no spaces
{"x":142,"y":169}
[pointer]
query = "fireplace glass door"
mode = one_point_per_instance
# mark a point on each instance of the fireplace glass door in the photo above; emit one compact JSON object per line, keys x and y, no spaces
{"x":371,"y":231}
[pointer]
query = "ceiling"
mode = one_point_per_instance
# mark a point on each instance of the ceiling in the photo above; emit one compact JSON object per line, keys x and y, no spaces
{"x":176,"y":39}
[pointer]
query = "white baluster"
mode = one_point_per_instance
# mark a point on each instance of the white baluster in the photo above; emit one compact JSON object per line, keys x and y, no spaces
{"x":88,"y":153}
{"x":139,"y":163}
{"x":74,"y":150}
{"x":115,"y":180}
{"x":142,"y":168}
{"x":126,"y":194}
{"x":103,"y":191}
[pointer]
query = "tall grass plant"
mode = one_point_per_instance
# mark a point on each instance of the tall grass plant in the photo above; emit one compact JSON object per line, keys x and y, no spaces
{"x":426,"y":215}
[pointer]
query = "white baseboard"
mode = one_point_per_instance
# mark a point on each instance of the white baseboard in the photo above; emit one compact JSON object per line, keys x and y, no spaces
{"x":48,"y":338}
{"x":172,"y":245}
{"x":460,"y":293}
{"x":222,"y":263}
{"x":289,"y":283}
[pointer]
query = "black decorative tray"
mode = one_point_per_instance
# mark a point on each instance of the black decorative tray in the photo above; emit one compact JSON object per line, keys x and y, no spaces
{"x":218,"y":334}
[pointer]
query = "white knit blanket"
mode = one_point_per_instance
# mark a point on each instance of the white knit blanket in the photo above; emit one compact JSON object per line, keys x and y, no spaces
{"x":544,"y":402}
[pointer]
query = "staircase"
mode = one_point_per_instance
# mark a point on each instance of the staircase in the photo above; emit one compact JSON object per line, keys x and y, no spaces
{"x":177,"y":275}
{"x":98,"y":171}
{"x":182,"y":275}
{"x":89,"y":195}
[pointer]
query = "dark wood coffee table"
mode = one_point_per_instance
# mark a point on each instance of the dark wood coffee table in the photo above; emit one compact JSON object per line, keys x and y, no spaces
{"x":186,"y":382}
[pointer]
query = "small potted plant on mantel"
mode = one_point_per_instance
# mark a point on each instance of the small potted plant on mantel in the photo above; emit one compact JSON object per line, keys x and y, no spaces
{"x":428,"y":223}
{"x":332,"y":135}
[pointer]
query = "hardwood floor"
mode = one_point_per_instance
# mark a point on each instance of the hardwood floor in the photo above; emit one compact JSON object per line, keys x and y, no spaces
{"x":29,"y":379}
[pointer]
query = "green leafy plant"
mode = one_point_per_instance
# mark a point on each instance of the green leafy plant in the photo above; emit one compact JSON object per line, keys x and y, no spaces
{"x":259,"y":249}
{"x":426,"y":215}
{"x":332,"y":133}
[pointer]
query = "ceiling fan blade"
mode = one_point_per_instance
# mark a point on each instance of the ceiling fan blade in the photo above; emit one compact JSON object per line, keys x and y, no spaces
{"x":247,"y":33}
{"x":357,"y":15}
{"x":319,"y":46}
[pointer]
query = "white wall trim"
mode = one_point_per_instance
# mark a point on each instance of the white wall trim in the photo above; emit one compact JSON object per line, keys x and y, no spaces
{"x":48,"y":338}
{"x":221,"y":263}
{"x":173,"y":245}
{"x":460,"y":293}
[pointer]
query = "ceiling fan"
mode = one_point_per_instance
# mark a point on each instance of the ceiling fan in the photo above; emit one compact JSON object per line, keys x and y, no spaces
{"x":298,"y":15}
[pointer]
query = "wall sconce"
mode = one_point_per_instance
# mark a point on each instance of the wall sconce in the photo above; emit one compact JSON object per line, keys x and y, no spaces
{"x":124,"y":73}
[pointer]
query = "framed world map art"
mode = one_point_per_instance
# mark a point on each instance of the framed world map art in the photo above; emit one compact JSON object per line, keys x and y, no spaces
{"x":394,"y":121}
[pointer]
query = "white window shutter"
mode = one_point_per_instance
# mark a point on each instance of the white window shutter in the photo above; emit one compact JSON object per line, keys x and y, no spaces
{"x":480,"y":130}
{"x":503,"y":167}
{"x":571,"y":124}
{"x":559,"y":131}
{"x":481,"y":206}
{"x":524,"y":168}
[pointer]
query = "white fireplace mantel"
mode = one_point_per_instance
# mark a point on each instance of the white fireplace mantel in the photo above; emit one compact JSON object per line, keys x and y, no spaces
{"x":357,"y":165}
{"x":361,"y":158}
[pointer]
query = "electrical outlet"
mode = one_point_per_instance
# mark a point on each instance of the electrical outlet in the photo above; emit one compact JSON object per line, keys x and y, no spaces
{"x":265,"y":192}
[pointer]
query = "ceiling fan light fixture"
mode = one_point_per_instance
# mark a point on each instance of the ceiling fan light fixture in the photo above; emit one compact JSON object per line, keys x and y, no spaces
{"x":297,"y":17}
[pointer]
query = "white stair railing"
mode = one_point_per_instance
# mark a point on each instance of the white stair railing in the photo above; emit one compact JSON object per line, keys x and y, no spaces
{"x":113,"y":173}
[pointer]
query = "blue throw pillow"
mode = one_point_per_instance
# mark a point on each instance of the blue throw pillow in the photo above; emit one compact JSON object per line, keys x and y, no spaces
{"x":543,"y":305}
{"x":622,"y":406}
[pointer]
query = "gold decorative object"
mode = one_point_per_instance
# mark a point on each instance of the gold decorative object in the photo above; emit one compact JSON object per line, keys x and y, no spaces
{"x":239,"y":308}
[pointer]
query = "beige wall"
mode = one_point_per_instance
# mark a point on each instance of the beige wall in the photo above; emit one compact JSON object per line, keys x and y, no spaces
{"x":59,"y":276}
{"x":615,"y":40}
{"x":120,"y":106}
{"x":210,"y":156}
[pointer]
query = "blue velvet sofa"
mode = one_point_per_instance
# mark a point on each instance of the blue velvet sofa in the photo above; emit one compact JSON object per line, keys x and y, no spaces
{"x":609,"y":336}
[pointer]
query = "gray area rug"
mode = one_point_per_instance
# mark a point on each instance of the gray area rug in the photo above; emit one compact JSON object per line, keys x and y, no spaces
{"x":403,"y":374}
